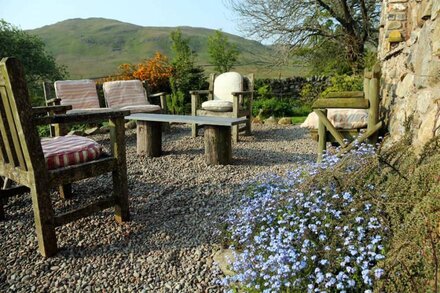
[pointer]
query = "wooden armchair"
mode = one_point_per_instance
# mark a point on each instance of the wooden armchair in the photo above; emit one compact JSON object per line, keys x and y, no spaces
{"x":366,"y":99}
{"x":36,"y":166}
{"x":230,"y":95}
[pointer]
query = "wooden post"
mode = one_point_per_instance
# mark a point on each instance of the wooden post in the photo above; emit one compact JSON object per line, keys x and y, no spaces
{"x":218,"y":146}
{"x":235,"y":109}
{"x":149,"y":138}
{"x":120,"y":185}
{"x":322,"y":137}
{"x":194,"y":105}
{"x":373,"y":96}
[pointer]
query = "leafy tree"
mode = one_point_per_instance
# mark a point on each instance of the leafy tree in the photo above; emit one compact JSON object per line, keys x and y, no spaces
{"x":30,"y":50}
{"x":223,"y":55}
{"x":186,"y":75}
{"x":345,"y":26}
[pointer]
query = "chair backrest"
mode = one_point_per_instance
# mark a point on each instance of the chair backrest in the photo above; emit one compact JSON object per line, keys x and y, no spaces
{"x":20,"y":147}
{"x":225,"y":84}
{"x":81,"y":94}
{"x":122,"y":93}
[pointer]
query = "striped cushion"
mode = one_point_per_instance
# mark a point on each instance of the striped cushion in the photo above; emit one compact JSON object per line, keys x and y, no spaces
{"x":81,"y":94}
{"x":340,"y":118}
{"x":122,"y":93}
{"x":227,"y":83}
{"x":63,"y":151}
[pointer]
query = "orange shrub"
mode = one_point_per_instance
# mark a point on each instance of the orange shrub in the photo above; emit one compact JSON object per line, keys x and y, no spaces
{"x":156,"y":71}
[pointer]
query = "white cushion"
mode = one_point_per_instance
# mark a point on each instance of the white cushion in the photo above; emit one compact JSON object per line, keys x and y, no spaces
{"x":81,"y":94}
{"x":122,"y":93}
{"x":217,"y":106}
{"x":227,"y":83}
{"x":340,"y":118}
{"x":142,"y":108}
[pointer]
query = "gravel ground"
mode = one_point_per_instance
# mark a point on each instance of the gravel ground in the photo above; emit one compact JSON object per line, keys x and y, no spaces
{"x":177,"y":203}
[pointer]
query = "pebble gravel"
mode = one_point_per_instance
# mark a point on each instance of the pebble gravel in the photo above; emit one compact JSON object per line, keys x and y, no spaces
{"x":177,"y":203}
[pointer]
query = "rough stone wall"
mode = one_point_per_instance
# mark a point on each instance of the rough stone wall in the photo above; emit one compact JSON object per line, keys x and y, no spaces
{"x":290,"y":88}
{"x":409,"y":51}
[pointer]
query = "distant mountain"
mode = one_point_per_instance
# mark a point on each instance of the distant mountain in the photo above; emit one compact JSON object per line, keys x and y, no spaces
{"x":94,"y":47}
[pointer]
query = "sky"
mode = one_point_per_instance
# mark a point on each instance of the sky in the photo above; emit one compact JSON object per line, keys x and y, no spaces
{"x":31,"y":14}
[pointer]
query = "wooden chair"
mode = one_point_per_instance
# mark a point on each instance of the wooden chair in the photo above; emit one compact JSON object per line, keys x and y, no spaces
{"x":366,"y":99}
{"x":230,"y":95}
{"x":23,"y":161}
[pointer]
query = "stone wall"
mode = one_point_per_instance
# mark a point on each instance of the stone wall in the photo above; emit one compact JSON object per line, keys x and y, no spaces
{"x":409,"y":51}
{"x":290,"y":88}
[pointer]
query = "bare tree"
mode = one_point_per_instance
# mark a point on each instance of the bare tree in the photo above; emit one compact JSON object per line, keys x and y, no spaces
{"x":309,"y":23}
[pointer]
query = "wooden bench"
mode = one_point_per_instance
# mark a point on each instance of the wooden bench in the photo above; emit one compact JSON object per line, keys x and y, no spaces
{"x":218,"y":145}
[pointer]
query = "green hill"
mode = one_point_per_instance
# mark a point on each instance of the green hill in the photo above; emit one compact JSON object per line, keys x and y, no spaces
{"x":94,"y":47}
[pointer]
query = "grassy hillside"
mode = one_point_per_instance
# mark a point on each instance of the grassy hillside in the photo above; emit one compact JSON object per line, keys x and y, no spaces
{"x":94,"y":47}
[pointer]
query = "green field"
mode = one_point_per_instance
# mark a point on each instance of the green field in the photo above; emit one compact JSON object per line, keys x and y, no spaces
{"x":94,"y":47}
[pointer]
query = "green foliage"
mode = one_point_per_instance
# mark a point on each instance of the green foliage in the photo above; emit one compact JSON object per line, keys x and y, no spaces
{"x":186,"y":75}
{"x":299,"y":119}
{"x":264,"y":92}
{"x":310,"y":92}
{"x":222,"y":54}
{"x":43,"y":130}
{"x":30,"y":50}
{"x":279,"y":108}
{"x":344,"y":82}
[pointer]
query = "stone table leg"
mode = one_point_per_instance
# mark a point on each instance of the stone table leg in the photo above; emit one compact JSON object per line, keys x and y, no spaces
{"x":218,"y":146}
{"x":149,"y":138}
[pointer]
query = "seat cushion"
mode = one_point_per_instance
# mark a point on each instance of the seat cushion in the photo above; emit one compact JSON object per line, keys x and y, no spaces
{"x":142,"y":108}
{"x":340,"y":118}
{"x":217,"y":106}
{"x":63,"y":151}
{"x":227,"y":83}
{"x":123,"y":93}
{"x":81,"y":94}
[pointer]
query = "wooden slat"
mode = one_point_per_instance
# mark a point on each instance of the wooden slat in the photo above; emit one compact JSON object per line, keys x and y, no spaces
{"x":344,"y":95}
{"x":330,"y":127}
{"x":78,"y":172}
{"x":207,"y":120}
{"x":84,"y":211}
{"x":354,"y":103}
{"x":5,"y":193}
{"x":14,"y":173}
{"x":5,"y":129}
{"x":54,"y":109}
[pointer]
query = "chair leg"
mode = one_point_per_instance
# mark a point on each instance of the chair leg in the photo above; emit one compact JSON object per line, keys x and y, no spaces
{"x":2,"y":209}
{"x":44,"y":221}
{"x":120,"y":193}
{"x":65,"y":191}
{"x":248,"y":126}
{"x":235,"y":130}
{"x":194,"y":130}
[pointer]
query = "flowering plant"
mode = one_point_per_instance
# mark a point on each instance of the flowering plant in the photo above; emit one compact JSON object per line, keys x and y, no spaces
{"x":293,"y":233}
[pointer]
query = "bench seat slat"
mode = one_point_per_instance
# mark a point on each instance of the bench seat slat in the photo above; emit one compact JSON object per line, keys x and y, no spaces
{"x":219,"y":121}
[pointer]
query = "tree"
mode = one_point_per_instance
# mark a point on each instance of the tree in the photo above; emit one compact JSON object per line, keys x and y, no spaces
{"x":348,"y":24}
{"x":186,"y":75}
{"x":223,"y":55}
{"x":30,"y":50}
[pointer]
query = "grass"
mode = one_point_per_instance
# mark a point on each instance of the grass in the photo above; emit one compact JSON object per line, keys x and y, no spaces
{"x":298,"y":120}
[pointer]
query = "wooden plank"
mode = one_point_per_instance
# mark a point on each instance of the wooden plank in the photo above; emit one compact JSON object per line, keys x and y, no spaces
{"x":119,"y":178}
{"x":55,"y":109}
{"x":5,"y":193}
{"x":205,"y":120}
{"x":354,"y":103}
{"x":322,"y":137}
{"x":74,"y":173}
{"x":9,"y":132}
{"x":330,"y":127}
{"x":344,"y":95}
{"x":83,"y":211}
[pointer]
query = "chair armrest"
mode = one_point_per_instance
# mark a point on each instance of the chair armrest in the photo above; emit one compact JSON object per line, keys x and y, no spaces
{"x":59,"y":109}
{"x":242,"y":93}
{"x":355,"y":103}
{"x":86,"y":117}
{"x":347,"y":94}
{"x":157,"y":94}
{"x":54,"y":101}
{"x":200,"y":92}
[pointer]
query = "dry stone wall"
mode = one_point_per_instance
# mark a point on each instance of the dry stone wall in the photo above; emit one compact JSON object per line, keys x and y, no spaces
{"x":409,"y":51}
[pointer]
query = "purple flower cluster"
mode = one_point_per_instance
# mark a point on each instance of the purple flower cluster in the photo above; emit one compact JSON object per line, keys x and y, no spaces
{"x":286,"y":238}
